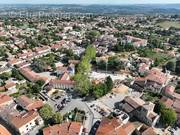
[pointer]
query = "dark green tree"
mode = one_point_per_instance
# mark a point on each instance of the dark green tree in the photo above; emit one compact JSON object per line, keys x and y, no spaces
{"x":109,"y":83}
{"x":177,"y":70}
{"x":171,"y":65}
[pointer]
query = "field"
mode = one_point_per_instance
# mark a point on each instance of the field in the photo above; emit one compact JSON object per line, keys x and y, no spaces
{"x":168,"y":24}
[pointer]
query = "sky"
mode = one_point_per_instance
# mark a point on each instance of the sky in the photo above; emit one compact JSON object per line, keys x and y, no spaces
{"x":112,"y":2}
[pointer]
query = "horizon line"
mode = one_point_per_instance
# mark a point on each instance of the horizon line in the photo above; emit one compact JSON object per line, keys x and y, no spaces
{"x":89,"y":4}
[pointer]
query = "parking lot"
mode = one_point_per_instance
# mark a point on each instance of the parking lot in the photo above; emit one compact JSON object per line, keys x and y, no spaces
{"x":94,"y":110}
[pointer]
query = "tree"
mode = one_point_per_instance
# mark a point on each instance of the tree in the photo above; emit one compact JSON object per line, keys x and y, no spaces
{"x":40,"y":82}
{"x":168,"y":116}
{"x":156,"y":62}
{"x":159,"y":107}
{"x":114,"y":63}
{"x":16,"y":74}
{"x":109,"y":83}
{"x":90,"y":52}
{"x":171,"y":65}
{"x":92,"y":35}
{"x":3,"y":51}
{"x":99,"y":90}
{"x":82,"y":83}
{"x":57,"y":118}
{"x":81,"y":78}
{"x":46,"y":112}
{"x":177,"y":70}
{"x":5,"y":76}
{"x":84,"y":66}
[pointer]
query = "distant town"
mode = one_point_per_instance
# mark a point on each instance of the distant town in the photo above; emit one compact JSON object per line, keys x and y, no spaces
{"x":89,"y":74}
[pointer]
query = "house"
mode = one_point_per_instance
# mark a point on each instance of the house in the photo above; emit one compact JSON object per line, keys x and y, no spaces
{"x":43,"y":50}
{"x":168,"y":91}
{"x":23,"y":65}
{"x":5,"y":100}
{"x":31,"y":75}
{"x":58,"y":45}
{"x":136,"y":107}
{"x":14,"y":61}
{"x":137,"y":42}
{"x":25,"y":122}
{"x":68,"y":128}
{"x":4,"y":131}
{"x":28,"y":104}
{"x":10,"y":88}
{"x":114,"y":127}
{"x":155,"y":80}
{"x":145,"y":130}
{"x":62,"y":84}
{"x":167,"y":101}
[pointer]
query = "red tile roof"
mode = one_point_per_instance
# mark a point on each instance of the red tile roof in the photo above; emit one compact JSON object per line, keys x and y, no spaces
{"x":110,"y":127}
{"x":4,"y":99}
{"x":29,"y":104}
{"x":56,"y":81}
{"x":4,"y":131}
{"x":9,"y":85}
{"x":154,"y":75}
{"x":73,"y":128}
{"x":167,"y":102}
{"x":31,"y":75}
{"x":22,"y":119}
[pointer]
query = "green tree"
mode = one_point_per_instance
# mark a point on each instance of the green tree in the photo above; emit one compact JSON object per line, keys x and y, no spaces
{"x":109,"y":83}
{"x":99,"y":90}
{"x":159,"y":107}
{"x":168,"y":116}
{"x":177,"y":70}
{"x":171,"y":65}
{"x":92,"y":35}
{"x":16,"y":74}
{"x":57,"y":118}
{"x":40,"y":83}
{"x":46,"y":112}
{"x":82,"y":84}
{"x":5,"y":76}
{"x":90,"y":52}
{"x":3,"y":51}
{"x":84,"y":67}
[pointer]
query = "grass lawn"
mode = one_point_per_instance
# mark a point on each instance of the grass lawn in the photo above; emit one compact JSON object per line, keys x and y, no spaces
{"x":168,"y":24}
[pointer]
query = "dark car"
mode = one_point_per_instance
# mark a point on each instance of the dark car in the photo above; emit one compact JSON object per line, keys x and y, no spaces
{"x":94,"y":128}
